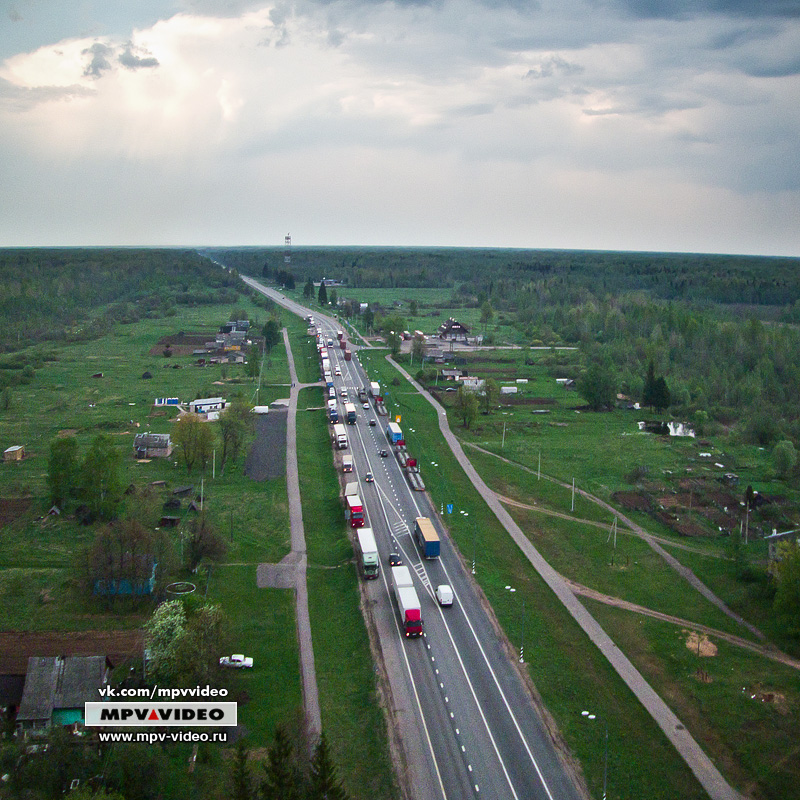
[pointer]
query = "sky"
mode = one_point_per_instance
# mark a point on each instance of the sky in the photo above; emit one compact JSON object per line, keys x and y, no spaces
{"x":660,"y":125}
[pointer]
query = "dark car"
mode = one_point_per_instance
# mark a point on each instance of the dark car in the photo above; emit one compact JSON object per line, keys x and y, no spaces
{"x":368,"y":478}
{"x":372,"y":423}
{"x":395,"y":560}
{"x":384,"y":453}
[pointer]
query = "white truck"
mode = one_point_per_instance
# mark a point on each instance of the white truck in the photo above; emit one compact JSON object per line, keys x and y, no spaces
{"x":375,"y":389}
{"x":367,"y":553}
{"x":340,"y":436}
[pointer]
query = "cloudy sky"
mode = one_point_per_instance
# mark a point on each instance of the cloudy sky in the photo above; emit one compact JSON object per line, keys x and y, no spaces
{"x":606,"y":124}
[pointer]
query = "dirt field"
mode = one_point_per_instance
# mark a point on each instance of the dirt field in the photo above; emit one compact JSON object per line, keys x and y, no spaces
{"x":17,"y":646}
{"x":267,"y":456}
{"x":12,"y":508}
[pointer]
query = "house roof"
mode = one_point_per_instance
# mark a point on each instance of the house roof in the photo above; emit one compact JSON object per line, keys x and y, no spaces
{"x":151,"y":440}
{"x":53,"y":682}
{"x":453,"y":326}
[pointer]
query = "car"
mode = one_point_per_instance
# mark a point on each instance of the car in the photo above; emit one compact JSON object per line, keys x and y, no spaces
{"x":450,"y":389}
{"x":372,"y":423}
{"x":237,"y":661}
{"x":395,"y":560}
{"x":343,"y":393}
{"x":337,"y":372}
{"x":384,"y":453}
{"x":444,"y":594}
{"x":369,"y":478}
{"x":365,"y":405}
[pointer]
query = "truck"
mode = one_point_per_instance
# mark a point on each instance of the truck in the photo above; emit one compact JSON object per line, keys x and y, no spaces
{"x":394,"y":433}
{"x":367,"y":553}
{"x":375,"y":389}
{"x":401,"y":577}
{"x":407,"y":604}
{"x":362,"y":395}
{"x":348,"y":356}
{"x":340,"y":335}
{"x":350,"y":413}
{"x":340,"y":436}
{"x":343,"y":344}
{"x":333,"y":414}
{"x":354,"y":510}
{"x":351,"y":489}
{"x":347,"y":463}
{"x":427,"y":538}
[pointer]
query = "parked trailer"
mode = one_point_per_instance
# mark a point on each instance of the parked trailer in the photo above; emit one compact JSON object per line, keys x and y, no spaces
{"x":407,"y":603}
{"x":367,"y":553}
{"x":375,"y":389}
{"x":350,"y":413}
{"x":427,"y":538}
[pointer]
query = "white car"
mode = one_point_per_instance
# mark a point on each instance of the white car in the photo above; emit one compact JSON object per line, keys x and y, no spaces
{"x":337,"y":372}
{"x":444,"y":594}
{"x":237,"y":661}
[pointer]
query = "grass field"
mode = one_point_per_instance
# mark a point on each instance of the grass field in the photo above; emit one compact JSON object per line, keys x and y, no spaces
{"x":584,"y":553}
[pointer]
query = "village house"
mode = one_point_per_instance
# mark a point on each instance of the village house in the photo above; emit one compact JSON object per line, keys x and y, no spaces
{"x":453,"y":331}
{"x":56,"y":689}
{"x":152,"y":445}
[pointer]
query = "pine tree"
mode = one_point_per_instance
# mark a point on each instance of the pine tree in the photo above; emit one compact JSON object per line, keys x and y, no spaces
{"x":325,"y":781}
{"x":282,"y":780}
{"x":649,"y":386}
{"x":661,"y":395}
{"x":323,"y":294}
{"x":240,"y":774}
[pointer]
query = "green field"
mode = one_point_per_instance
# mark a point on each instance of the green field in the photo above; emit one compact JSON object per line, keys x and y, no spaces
{"x":559,"y":653}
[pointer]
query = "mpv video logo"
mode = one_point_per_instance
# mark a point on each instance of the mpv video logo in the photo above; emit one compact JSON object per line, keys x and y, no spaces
{"x":148,"y":715}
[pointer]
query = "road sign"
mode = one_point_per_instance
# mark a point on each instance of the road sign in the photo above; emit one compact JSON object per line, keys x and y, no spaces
{"x":449,"y":508}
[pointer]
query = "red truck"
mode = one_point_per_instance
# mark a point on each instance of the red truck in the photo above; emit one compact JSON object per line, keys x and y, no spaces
{"x":354,"y":510}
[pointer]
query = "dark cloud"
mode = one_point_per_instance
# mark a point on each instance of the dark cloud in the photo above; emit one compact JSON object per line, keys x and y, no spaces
{"x":99,"y":61}
{"x":684,"y":9}
{"x":22,"y":98}
{"x":128,"y":58}
{"x":555,"y":65}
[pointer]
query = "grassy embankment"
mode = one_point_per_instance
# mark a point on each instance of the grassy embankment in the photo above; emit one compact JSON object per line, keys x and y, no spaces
{"x":351,"y":716}
{"x":584,"y":553}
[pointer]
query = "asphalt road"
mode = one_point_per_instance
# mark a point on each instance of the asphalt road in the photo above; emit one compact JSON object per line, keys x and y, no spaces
{"x":467,"y":723}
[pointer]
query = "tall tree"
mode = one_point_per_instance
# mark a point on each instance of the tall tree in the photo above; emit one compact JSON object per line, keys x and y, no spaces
{"x":195,"y":439}
{"x":282,"y":779}
{"x":235,"y":423}
{"x":272,"y":333}
{"x":598,"y":385}
{"x":241,"y":775}
{"x":101,"y":484}
{"x":490,"y":394}
{"x":202,"y":542}
{"x":162,"y":633}
{"x":63,"y":469}
{"x":648,"y":392}
{"x":322,"y":296}
{"x":466,"y":405}
{"x":662,"y":399}
{"x":325,"y":783}
{"x":308,"y":289}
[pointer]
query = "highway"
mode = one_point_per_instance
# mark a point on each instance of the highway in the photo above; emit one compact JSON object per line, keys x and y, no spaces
{"x":466,"y":721}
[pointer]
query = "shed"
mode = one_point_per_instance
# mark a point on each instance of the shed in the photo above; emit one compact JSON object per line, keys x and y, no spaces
{"x":14,"y":453}
{"x":152,"y":445}
{"x":206,"y":404}
{"x":57,"y":688}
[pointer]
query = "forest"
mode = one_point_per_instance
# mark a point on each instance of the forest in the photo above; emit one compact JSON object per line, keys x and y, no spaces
{"x":722,"y":330}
